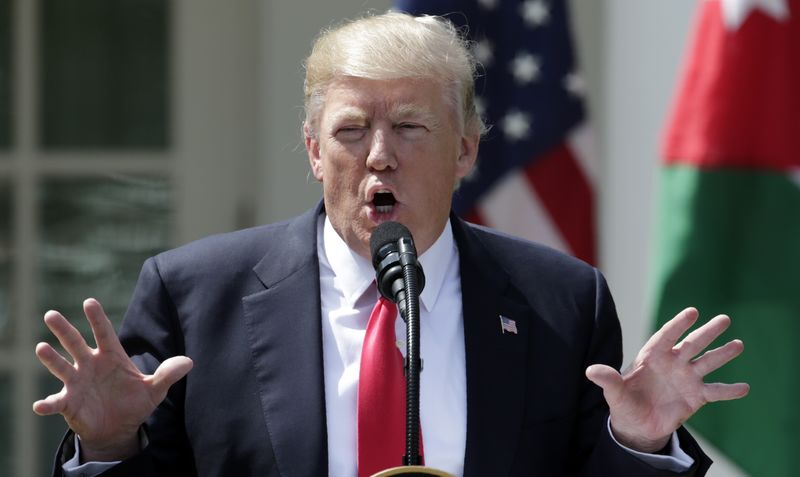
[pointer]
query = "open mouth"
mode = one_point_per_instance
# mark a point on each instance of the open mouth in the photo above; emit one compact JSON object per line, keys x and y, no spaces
{"x":383,"y":201}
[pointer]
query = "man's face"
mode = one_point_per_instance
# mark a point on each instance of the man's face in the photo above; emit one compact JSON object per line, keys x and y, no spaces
{"x":388,"y":150}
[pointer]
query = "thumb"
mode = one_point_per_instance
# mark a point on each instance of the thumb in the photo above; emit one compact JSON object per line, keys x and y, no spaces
{"x":169,"y":373}
{"x":607,"y":378}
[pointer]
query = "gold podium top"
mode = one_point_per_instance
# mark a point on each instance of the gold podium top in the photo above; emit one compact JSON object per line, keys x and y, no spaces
{"x":412,"y":470}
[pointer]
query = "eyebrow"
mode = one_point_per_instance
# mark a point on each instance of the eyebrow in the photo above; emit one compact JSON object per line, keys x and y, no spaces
{"x":349,"y":114}
{"x":400,"y":112}
{"x":414,"y":111}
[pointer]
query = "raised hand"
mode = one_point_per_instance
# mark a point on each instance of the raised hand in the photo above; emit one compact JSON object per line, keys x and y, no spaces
{"x":664,"y":385}
{"x":105,"y":397}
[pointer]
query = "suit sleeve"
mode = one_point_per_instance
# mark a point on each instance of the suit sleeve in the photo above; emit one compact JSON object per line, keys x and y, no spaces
{"x":150,"y":334}
{"x":606,"y":457}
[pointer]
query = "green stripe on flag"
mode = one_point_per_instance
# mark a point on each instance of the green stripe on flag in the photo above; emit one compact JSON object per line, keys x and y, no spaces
{"x":729,"y":242}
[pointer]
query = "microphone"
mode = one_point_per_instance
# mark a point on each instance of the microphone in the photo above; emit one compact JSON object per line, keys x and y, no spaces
{"x":394,"y":256}
{"x":400,"y":279}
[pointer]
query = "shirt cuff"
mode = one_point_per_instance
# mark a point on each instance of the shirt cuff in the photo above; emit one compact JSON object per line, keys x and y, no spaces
{"x":74,"y":468}
{"x":676,"y":461}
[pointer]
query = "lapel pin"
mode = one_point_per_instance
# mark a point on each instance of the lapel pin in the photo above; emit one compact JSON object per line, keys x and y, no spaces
{"x":507,"y":325}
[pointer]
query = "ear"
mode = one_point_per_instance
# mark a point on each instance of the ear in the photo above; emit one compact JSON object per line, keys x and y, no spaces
{"x":312,"y":148}
{"x":468,"y":155}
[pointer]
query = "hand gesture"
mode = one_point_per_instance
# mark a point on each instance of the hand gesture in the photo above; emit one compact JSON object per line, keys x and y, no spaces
{"x":105,"y":397}
{"x":664,"y":385}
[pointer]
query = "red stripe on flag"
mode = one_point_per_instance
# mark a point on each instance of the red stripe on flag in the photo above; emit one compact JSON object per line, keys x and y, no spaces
{"x":566,"y":194}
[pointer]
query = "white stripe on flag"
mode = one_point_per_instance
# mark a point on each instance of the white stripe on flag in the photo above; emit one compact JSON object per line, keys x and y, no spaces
{"x":581,"y":142}
{"x":513,"y":207}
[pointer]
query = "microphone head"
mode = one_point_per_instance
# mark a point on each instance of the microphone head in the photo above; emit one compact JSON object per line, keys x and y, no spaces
{"x":392,"y":249}
{"x":386,"y":233}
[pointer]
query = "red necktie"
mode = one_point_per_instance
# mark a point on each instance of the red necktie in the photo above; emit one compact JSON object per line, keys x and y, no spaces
{"x":381,"y":395}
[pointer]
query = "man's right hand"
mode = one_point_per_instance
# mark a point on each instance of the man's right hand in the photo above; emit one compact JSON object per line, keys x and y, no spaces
{"x":105,"y":398}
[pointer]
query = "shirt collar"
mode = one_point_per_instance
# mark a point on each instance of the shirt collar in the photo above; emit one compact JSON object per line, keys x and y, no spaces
{"x":436,"y":261}
{"x":353,"y":274}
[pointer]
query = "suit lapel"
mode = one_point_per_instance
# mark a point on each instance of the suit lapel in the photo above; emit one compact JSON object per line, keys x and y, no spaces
{"x":284,"y":330}
{"x":495,"y":360}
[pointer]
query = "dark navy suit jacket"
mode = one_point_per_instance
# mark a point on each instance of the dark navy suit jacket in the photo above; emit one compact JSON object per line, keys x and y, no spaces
{"x":245,"y":307}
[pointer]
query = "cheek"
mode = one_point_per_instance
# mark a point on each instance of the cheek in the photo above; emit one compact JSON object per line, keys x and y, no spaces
{"x":341,"y":182}
{"x":443,"y":175}
{"x":435,"y":187}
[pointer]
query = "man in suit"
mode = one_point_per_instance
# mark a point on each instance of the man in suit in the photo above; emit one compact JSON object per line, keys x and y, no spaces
{"x":270,"y":320}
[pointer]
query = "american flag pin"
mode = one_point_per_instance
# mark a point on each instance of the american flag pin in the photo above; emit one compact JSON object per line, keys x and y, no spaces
{"x":507,"y":325}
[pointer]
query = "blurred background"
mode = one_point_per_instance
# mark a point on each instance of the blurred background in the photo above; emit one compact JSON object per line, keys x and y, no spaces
{"x":131,"y":126}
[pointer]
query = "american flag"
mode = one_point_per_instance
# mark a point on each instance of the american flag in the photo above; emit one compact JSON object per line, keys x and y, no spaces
{"x":507,"y":325}
{"x":534,"y":174}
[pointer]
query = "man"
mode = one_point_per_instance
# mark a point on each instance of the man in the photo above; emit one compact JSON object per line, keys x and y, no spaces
{"x":273,"y":317}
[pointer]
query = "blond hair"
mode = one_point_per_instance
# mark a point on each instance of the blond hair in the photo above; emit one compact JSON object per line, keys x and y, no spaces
{"x":394,"y":45}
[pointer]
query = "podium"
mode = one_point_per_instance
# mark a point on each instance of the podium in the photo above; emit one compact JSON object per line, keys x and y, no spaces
{"x":412,"y":471}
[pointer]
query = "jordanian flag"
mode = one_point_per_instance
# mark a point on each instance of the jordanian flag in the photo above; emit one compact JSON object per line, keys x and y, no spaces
{"x":729,"y":219}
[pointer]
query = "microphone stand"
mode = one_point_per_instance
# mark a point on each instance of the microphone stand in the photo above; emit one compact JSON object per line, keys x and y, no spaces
{"x":409,"y":309}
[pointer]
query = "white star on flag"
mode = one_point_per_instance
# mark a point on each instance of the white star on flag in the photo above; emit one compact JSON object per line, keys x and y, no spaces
{"x":735,"y":12}
{"x":483,"y":52}
{"x":516,"y":125}
{"x":534,"y":12}
{"x":575,"y":84}
{"x":525,"y":68}
{"x":488,"y":4}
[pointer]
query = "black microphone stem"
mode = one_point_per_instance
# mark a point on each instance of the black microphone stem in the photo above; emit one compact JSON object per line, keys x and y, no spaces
{"x":413,"y":362}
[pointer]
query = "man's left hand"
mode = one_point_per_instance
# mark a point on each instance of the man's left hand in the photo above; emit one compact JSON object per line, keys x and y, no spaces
{"x":664,"y":385}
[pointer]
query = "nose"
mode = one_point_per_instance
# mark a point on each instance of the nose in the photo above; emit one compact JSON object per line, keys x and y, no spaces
{"x":381,"y":153}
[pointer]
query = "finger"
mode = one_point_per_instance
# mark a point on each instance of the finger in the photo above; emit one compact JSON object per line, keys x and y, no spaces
{"x":725,"y":392}
{"x":669,"y":334}
{"x":54,"y":362}
{"x":715,"y":358}
{"x":607,"y":378}
{"x":104,"y":334}
{"x":52,"y":404}
{"x":67,"y":335}
{"x":699,"y":339}
{"x":169,"y":373}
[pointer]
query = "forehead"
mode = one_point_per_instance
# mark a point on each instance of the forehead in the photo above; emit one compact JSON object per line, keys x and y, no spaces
{"x":364,"y":98}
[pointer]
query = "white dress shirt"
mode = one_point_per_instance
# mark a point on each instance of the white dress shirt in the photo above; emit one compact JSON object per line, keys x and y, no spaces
{"x":348,"y":296}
